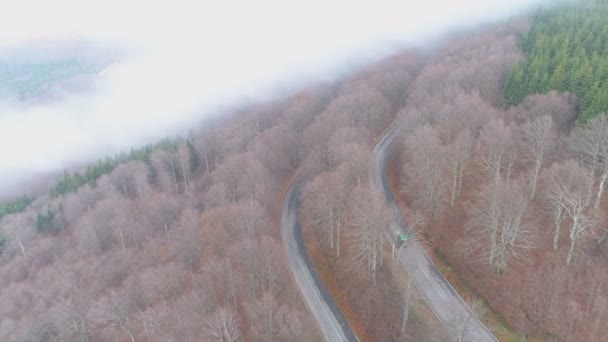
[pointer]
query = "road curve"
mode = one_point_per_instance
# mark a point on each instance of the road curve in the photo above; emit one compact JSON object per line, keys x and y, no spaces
{"x":445,"y":302}
{"x":320,"y":304}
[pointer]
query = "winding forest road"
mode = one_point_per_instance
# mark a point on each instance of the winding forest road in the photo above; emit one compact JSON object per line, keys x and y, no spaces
{"x":320,"y":304}
{"x":445,"y":302}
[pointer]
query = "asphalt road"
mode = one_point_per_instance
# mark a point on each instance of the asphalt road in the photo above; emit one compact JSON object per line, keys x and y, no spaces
{"x":321,"y":305}
{"x":445,"y":302}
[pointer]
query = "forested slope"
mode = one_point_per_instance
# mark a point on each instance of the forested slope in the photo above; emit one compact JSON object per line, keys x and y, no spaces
{"x":511,"y":198}
{"x":176,"y":241}
{"x":567,"y":50}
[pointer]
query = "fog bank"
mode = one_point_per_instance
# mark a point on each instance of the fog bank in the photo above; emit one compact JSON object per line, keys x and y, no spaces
{"x":170,"y":65}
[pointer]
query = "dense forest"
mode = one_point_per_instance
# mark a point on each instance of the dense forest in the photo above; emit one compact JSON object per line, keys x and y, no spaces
{"x":71,"y":182}
{"x":512,"y":199}
{"x":15,"y":206}
{"x":567,"y":50}
{"x":178,"y":241}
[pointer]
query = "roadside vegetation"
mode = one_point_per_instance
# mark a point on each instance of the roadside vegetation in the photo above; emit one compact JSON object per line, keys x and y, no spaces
{"x":345,"y":219}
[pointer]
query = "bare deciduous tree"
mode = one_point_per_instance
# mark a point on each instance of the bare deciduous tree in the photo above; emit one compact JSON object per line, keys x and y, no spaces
{"x":354,"y":163}
{"x":560,"y":106}
{"x":363,"y":106}
{"x":254,"y":181}
{"x":457,"y":157}
{"x":223,"y":326}
{"x":424,"y":168}
{"x":188,"y":239}
{"x":498,"y":150}
{"x":407,"y":304}
{"x":217,"y":196}
{"x":158,"y":322}
{"x":229,"y":173}
{"x":326,"y":201}
{"x":369,"y":216}
{"x":112,"y":313}
{"x":499,"y":227}
{"x":567,"y":193}
{"x":18,"y":229}
{"x":73,"y":317}
{"x":270,"y":265}
{"x":78,"y":203}
{"x":184,"y":162}
{"x":206,"y":146}
{"x":591,"y":143}
{"x":164,"y":167}
{"x":277,"y":149}
{"x":539,"y":140}
{"x":264,"y":317}
{"x":130,"y":179}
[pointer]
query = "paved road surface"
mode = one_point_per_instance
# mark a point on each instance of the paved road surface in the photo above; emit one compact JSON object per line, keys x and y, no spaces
{"x":330,"y":320}
{"x":436,"y":290}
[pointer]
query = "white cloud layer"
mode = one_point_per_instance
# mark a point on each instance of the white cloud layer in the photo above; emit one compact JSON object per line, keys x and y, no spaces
{"x":189,"y":56}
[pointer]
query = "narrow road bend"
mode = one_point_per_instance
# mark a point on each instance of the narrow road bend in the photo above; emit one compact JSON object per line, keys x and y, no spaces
{"x":320,"y":304}
{"x":448,"y":306}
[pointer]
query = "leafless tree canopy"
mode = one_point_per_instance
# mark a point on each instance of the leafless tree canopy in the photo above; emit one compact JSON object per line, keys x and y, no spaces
{"x":519,"y":189}
{"x":499,"y":227}
{"x":182,"y":245}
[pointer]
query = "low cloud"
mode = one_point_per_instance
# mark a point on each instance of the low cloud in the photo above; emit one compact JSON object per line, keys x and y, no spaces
{"x":174,"y":63}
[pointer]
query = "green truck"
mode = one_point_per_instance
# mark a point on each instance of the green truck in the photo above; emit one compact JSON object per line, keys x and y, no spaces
{"x":400,"y":237}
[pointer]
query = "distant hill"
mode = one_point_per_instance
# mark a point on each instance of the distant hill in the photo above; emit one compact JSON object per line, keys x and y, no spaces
{"x":45,"y":71}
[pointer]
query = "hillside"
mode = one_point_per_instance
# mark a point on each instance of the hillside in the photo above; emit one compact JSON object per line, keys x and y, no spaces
{"x":512,"y":199}
{"x":173,"y":241}
{"x":499,"y":163}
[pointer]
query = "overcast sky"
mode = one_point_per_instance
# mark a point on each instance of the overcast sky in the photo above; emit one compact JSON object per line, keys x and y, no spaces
{"x":183,"y":58}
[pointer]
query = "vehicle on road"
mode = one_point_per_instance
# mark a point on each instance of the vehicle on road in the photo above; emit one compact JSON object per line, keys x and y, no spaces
{"x":400,"y":238}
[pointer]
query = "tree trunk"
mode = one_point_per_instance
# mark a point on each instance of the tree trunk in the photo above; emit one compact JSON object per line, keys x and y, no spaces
{"x":535,"y":178}
{"x":174,"y":176}
{"x":493,"y":243}
{"x":570,"y":251}
{"x":406,"y":306}
{"x":601,"y":241}
{"x":573,"y":234}
{"x":509,"y":167}
{"x":122,"y":241}
{"x":591,"y":181}
{"x":559,"y":217}
{"x":21,"y":247}
{"x":338,"y":239}
{"x":144,"y":324}
{"x":454,"y":188}
{"x":139,"y":190}
{"x":601,"y":189}
{"x":373,"y":266}
{"x":331,"y":227}
{"x":459,"y":182}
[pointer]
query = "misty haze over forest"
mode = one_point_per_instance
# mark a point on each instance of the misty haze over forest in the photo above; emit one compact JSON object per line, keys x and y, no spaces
{"x":152,"y":70}
{"x":376,"y":171}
